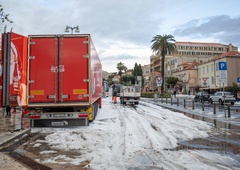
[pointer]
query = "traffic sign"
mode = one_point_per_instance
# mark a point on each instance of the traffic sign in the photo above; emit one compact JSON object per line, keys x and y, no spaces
{"x":238,"y":79}
{"x":159,"y":81}
{"x":222,"y":65}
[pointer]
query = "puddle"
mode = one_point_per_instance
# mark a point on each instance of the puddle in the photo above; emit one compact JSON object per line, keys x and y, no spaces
{"x":225,"y":137}
{"x":209,"y":144}
{"x":217,"y":124}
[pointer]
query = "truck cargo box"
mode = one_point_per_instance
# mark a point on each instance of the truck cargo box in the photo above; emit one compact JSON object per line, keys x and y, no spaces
{"x":64,"y":70}
{"x":64,"y":80}
{"x":130,"y":94}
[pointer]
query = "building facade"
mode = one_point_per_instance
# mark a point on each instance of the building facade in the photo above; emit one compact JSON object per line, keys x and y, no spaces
{"x":146,"y":70}
{"x":196,"y":53}
{"x":209,"y":73}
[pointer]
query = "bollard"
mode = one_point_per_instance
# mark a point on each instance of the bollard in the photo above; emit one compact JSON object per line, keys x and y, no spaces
{"x":184,"y":103}
{"x":229,"y":114}
{"x":177,"y":102}
{"x":214,"y":108}
{"x":166,"y":99}
{"x":193,"y":104}
{"x":203,"y":105}
{"x":155,"y":97}
{"x":171,"y":101}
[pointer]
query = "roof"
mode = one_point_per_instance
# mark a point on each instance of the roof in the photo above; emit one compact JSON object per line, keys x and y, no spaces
{"x":179,"y":43}
{"x":190,"y":65}
{"x":228,"y":54}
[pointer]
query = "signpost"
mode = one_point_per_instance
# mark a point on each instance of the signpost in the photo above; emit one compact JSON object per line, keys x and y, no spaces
{"x":222,"y":67}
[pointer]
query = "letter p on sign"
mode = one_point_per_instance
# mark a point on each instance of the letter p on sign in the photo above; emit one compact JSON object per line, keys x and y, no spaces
{"x":222,"y":65}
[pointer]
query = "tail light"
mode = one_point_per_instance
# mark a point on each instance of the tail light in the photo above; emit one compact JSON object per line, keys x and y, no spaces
{"x":83,"y":115}
{"x":35,"y":116}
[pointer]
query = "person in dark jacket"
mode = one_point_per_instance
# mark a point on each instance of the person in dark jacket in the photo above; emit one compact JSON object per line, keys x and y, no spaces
{"x":8,"y":109}
{"x":174,"y":93}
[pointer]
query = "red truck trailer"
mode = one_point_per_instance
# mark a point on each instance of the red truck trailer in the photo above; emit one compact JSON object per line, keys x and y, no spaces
{"x":13,"y":67}
{"x":57,"y":79}
{"x":64,"y":80}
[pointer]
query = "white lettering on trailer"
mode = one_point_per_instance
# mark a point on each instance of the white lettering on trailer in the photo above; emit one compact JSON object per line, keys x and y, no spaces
{"x":59,"y":68}
{"x":63,"y":123}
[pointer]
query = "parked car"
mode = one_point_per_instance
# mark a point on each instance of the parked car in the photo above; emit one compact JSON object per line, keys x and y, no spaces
{"x":222,"y":97}
{"x":202,"y":96}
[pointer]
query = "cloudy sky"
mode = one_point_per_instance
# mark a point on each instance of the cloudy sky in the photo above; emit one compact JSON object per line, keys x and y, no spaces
{"x":122,"y":30}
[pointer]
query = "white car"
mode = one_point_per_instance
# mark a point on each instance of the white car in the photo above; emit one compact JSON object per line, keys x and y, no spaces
{"x":222,"y":97}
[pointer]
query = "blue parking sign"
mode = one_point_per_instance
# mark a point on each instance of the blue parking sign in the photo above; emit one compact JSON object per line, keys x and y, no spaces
{"x":238,"y":79}
{"x":222,"y":65}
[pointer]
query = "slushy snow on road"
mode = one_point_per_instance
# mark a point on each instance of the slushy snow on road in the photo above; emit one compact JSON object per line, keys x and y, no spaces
{"x":144,"y":137}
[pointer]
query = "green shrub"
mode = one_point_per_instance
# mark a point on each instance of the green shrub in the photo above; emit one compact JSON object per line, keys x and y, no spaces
{"x":147,"y":94}
{"x":151,"y":95}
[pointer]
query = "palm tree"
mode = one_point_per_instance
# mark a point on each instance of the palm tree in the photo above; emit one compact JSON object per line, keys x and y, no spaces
{"x":121,"y":67}
{"x":163,"y":45}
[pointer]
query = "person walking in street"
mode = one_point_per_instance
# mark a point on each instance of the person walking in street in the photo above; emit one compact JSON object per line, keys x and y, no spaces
{"x":8,"y":109}
{"x":174,"y":93}
{"x":115,"y":96}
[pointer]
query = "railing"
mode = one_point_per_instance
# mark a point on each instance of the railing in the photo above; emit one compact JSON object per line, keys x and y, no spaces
{"x":190,"y":104}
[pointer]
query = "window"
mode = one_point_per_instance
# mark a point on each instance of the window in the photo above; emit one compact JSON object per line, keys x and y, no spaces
{"x":212,"y":80}
{"x":207,"y":69}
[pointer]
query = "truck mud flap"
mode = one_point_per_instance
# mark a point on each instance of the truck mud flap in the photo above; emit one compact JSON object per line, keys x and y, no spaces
{"x":59,"y":123}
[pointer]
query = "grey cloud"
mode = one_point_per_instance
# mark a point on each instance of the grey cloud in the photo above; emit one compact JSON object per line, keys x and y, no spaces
{"x":222,"y":28}
{"x":116,"y":20}
{"x":122,"y":57}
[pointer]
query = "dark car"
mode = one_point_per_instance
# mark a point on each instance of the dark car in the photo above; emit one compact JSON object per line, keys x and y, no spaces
{"x":202,"y":96}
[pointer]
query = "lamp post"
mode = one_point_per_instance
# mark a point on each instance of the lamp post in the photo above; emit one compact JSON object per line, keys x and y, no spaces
{"x":72,"y":28}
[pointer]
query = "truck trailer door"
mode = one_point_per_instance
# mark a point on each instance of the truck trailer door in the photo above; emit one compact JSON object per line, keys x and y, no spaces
{"x":43,"y":69}
{"x":58,"y":69}
{"x":73,"y":59}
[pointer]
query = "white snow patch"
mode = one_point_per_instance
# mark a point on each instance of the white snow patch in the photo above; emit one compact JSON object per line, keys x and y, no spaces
{"x":122,"y":138}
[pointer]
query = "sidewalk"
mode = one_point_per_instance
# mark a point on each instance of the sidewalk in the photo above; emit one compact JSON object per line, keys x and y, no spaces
{"x":11,"y":130}
{"x":220,"y":116}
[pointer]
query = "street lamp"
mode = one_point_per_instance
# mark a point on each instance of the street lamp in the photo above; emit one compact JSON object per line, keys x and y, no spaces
{"x":72,"y":28}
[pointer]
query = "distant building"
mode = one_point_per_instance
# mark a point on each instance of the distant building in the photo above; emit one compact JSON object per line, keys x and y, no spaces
{"x":129,"y":72}
{"x":105,"y":75}
{"x":146,"y":70}
{"x":187,"y":74}
{"x":195,"y":51}
{"x":188,"y":53}
{"x":116,"y":79}
{"x":209,"y":74}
